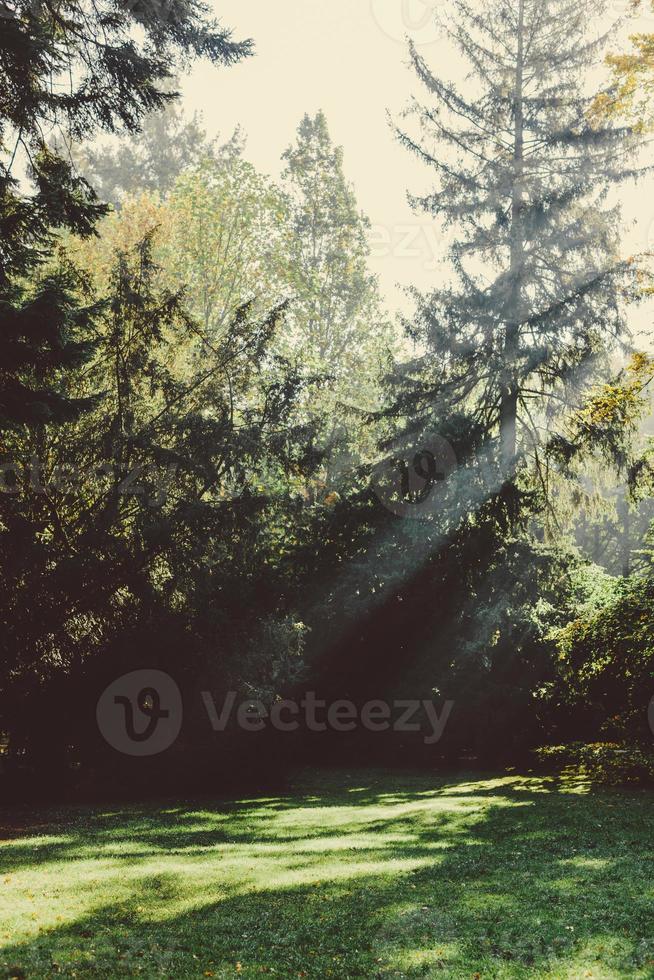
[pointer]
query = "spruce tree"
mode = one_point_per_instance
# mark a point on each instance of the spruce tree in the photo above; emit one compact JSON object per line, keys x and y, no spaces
{"x":535,"y":299}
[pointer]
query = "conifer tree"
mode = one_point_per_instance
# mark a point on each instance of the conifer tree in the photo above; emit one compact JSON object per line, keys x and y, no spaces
{"x":535,"y":300}
{"x":67,"y":70}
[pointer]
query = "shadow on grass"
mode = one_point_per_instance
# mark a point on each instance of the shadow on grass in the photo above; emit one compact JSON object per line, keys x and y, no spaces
{"x":385,"y":877}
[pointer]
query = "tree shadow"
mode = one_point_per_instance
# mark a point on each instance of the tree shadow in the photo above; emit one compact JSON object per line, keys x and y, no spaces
{"x":453,"y":877}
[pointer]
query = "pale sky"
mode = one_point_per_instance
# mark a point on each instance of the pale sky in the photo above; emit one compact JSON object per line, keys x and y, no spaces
{"x":349,"y":58}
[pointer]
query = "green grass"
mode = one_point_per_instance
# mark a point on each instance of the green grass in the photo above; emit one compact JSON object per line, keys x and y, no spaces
{"x":362,"y":874}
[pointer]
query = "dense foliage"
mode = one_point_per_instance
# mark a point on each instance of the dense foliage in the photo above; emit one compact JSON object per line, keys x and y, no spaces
{"x":204,"y":404}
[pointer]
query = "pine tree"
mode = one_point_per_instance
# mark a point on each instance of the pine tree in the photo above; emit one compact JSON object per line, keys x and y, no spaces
{"x":523,"y":179}
{"x":67,"y":70}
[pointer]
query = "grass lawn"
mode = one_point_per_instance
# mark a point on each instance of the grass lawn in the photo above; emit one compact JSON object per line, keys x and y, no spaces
{"x":353,"y":874}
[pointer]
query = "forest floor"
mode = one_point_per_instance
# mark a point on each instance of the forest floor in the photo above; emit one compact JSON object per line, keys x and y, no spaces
{"x":352,"y":874}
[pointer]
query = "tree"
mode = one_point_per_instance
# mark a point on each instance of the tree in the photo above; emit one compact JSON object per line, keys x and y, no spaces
{"x":68,"y":70}
{"x":223,"y":240}
{"x":335,"y":314}
{"x":536,"y":297}
{"x":463,"y":600}
{"x":230,"y":235}
{"x":153,"y":524}
{"x":602,"y":440}
{"x":605,"y":661}
{"x":168,"y":143}
{"x":632,"y":82}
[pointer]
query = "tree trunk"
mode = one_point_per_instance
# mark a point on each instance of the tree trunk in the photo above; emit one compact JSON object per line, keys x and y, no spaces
{"x":510,"y":385}
{"x":625,"y":534}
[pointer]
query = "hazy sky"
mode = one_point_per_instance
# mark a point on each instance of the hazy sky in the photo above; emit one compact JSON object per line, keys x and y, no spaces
{"x":349,"y":58}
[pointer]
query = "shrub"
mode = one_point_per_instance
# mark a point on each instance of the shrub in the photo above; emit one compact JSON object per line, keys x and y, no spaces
{"x":610,"y":763}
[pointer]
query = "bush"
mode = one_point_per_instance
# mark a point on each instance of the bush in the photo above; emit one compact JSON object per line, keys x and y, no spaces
{"x":610,"y":763}
{"x":605,"y":665}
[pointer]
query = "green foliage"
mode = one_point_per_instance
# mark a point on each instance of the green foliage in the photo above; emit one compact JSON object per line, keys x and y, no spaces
{"x":336,"y":317}
{"x":486,"y":646}
{"x":188,"y":420}
{"x":151,"y":160}
{"x":224,"y":241}
{"x":164,"y":511}
{"x":85,"y":383}
{"x":46,"y":334}
{"x":512,"y":367}
{"x":606,"y":422}
{"x":185,"y":491}
{"x":536,"y":298}
{"x":111,"y":80}
{"x":593,"y":590}
{"x":605,"y":663}
{"x":609,"y":763}
{"x":228,"y":235}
